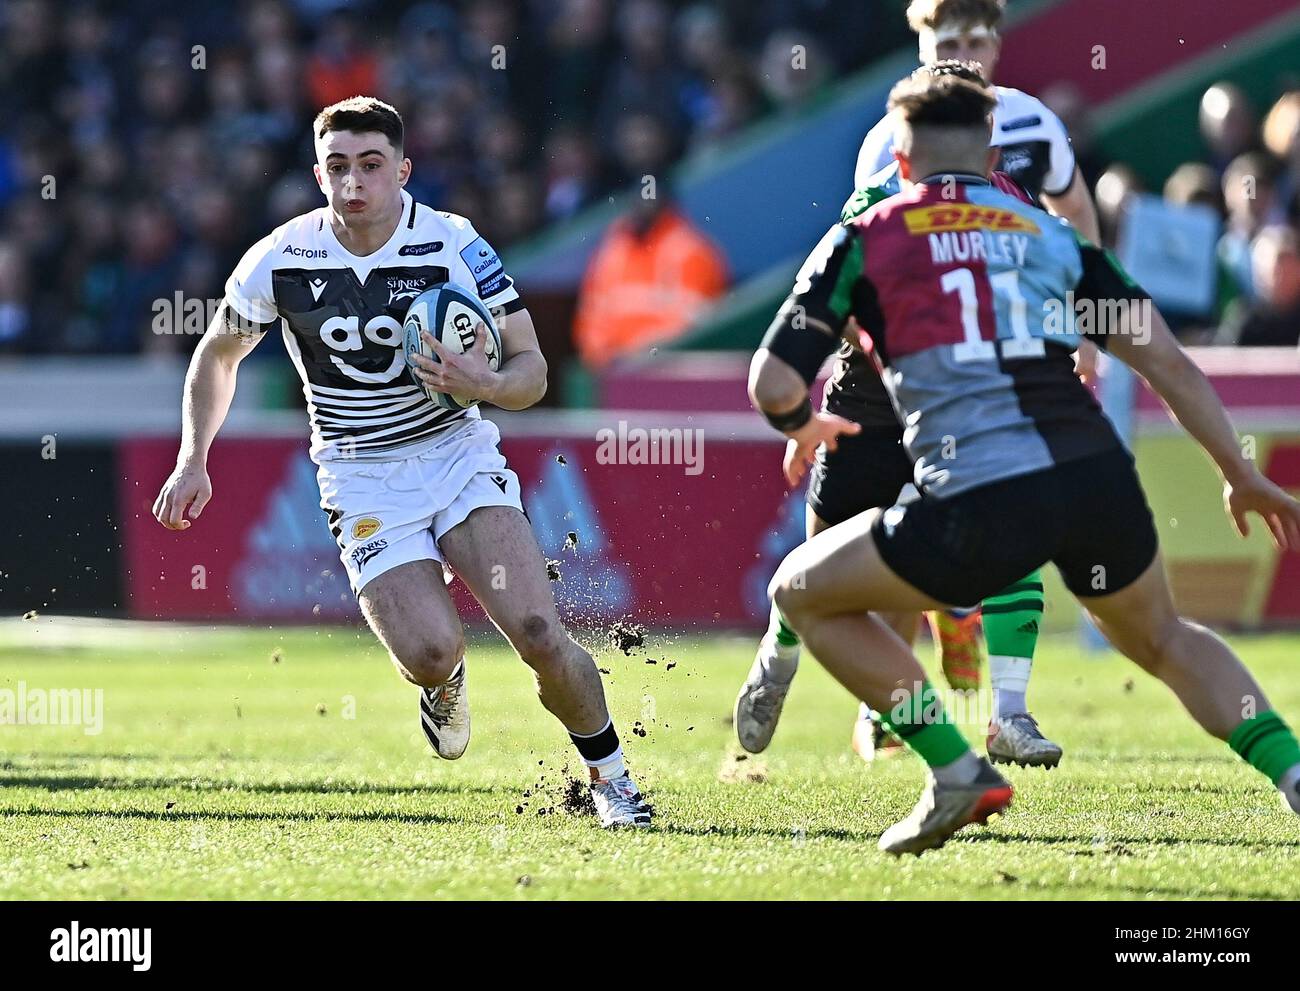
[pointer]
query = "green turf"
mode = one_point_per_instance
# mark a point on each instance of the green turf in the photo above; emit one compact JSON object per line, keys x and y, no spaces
{"x":221,"y":773}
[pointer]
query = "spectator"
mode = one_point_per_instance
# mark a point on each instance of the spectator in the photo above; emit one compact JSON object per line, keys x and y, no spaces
{"x":1249,"y":193}
{"x":164,"y":172}
{"x":1228,"y":123}
{"x":574,"y":172}
{"x":1194,"y":182}
{"x":15,"y":307}
{"x":1069,"y":104}
{"x":651,"y":276}
{"x":1273,"y":319}
{"x":1282,"y":139}
{"x":1113,"y":189}
{"x":341,"y":65}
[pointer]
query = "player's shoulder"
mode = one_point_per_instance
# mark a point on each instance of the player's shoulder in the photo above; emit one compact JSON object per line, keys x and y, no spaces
{"x":1018,"y":110}
{"x":289,"y":244}
{"x":450,"y":225}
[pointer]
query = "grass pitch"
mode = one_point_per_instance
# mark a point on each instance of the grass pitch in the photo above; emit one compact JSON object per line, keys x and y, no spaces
{"x":288,"y":764}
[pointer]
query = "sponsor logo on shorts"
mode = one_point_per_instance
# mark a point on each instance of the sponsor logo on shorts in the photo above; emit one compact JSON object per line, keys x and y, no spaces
{"x":366,"y":551}
{"x":965,"y":217}
{"x":365,"y":527}
{"x":428,"y":248}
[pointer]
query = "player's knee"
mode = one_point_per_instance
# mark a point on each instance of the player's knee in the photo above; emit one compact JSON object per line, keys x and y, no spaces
{"x":787,"y":589}
{"x":430,"y":662}
{"x":788,"y":598}
{"x":538,"y":640}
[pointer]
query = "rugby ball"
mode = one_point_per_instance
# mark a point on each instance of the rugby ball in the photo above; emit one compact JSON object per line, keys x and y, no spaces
{"x":449,"y":312}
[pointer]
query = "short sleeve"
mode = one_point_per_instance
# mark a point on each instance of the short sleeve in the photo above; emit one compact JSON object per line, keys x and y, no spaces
{"x":1060,"y":169}
{"x":1105,"y":283}
{"x":248,"y":290}
{"x":876,"y":152}
{"x":484,"y":270}
{"x":807,"y":328}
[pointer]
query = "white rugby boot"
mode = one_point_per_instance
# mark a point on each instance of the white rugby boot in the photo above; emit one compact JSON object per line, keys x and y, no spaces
{"x":444,"y":715}
{"x":618,"y":802}
{"x":944,"y":809}
{"x":758,"y":706}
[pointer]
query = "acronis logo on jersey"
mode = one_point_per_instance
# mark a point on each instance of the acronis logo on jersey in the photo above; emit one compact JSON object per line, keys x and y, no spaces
{"x":966,"y":217}
{"x":485,"y":264}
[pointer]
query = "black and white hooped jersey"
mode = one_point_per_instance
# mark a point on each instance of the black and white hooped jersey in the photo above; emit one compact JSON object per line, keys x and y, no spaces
{"x":1035,"y":146}
{"x":341,"y":316}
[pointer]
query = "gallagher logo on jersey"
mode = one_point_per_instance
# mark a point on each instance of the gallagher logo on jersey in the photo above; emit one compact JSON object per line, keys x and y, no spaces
{"x":485,"y":264}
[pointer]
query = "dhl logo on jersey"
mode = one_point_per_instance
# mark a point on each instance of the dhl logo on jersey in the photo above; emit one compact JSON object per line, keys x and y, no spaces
{"x":966,"y":217}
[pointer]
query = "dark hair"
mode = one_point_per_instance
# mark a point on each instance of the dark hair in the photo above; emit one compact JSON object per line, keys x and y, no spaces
{"x":359,"y":114}
{"x":945,"y":94}
{"x":968,"y":13}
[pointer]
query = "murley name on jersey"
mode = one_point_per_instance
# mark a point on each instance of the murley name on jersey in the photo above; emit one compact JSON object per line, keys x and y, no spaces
{"x":961,"y":246}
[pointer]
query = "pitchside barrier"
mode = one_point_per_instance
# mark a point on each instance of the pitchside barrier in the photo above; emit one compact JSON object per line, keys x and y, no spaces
{"x":668,"y":506}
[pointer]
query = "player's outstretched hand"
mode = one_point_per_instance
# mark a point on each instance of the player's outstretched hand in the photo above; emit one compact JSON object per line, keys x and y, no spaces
{"x":466,"y":376}
{"x":1256,"y":494}
{"x":801,"y":450}
{"x":183,"y":495}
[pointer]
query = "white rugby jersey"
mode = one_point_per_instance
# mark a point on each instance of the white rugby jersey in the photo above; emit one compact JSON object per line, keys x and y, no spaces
{"x":1035,"y":146}
{"x":341,"y":316}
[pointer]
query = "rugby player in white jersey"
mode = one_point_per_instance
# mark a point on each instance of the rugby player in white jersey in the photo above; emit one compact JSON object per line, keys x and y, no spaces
{"x":1035,"y":152}
{"x":407,"y":485}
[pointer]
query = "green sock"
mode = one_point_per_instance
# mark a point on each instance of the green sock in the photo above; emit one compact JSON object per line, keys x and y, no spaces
{"x":922,"y":724}
{"x":776,"y":625}
{"x":1011,"y":618}
{"x":1266,"y":743}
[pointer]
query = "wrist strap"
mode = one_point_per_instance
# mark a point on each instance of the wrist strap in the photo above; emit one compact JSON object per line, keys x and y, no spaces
{"x":791,"y":420}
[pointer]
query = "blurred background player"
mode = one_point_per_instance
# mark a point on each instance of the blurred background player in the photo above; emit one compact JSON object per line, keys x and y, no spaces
{"x":409,"y":487}
{"x":1041,"y":474}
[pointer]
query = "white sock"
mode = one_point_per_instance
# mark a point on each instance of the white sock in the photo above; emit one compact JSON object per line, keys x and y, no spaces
{"x":1289,"y":786}
{"x":962,"y":771}
{"x":610,"y":768}
{"x":1009,"y":677}
{"x":778,"y":661}
{"x":864,"y":712}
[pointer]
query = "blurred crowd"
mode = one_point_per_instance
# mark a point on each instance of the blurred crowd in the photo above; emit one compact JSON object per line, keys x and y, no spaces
{"x":145,"y":145}
{"x":143,"y":148}
{"x":1249,"y":183}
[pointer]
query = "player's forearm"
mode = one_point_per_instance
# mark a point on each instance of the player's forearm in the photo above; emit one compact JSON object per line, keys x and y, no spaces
{"x":1076,"y":206}
{"x":209,"y":390}
{"x":1189,"y":397}
{"x":1192,"y":401}
{"x":520,"y":382}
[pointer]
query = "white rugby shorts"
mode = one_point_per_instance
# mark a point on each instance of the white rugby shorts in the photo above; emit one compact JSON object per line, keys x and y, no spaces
{"x":387,"y":513}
